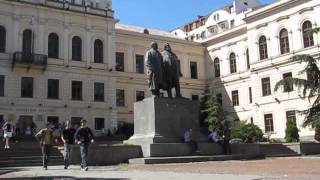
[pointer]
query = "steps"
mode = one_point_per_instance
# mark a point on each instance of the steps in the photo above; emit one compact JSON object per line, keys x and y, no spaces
{"x":188,"y":159}
{"x":27,"y":154}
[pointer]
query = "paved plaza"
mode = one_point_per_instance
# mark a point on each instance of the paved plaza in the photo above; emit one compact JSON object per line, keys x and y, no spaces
{"x":280,"y":168}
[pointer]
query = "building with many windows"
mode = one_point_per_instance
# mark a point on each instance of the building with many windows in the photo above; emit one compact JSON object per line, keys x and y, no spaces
{"x":71,"y":60}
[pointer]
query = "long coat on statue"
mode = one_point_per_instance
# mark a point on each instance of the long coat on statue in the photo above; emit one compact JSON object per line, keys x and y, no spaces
{"x":154,"y":65}
{"x":171,"y":69}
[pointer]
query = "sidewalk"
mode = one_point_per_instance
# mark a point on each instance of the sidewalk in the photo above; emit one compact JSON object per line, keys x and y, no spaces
{"x":110,"y":173}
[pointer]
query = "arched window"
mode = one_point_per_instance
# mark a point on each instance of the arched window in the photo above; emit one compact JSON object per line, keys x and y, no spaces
{"x":233,"y":63}
{"x":53,"y":46}
{"x":76,"y":48}
{"x":27,"y":41}
{"x":98,"y":51}
{"x":284,"y":41}
{"x":2,"y":39}
{"x":248,"y":58}
{"x":307,"y":36}
{"x":263,"y":48}
{"x":216,"y":64}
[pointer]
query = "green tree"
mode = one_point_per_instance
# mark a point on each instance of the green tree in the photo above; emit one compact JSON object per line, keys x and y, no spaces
{"x":213,"y":113}
{"x":310,"y":90}
{"x":292,"y":132}
{"x":249,"y":133}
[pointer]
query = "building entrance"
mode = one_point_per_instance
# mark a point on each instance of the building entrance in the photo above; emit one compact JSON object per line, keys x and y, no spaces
{"x":25,"y":126}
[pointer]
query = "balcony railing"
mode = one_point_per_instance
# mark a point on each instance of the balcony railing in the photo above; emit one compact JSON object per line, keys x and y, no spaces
{"x":29,"y":59}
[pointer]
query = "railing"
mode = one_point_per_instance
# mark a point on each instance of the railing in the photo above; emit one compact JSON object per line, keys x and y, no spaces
{"x":29,"y":59}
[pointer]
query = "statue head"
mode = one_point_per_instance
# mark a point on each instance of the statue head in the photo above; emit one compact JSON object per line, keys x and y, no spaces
{"x":154,"y":45}
{"x":167,"y":47}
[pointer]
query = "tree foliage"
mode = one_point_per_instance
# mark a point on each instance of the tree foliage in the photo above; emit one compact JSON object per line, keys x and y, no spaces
{"x":249,"y":133}
{"x":292,"y":132}
{"x":213,"y":114}
{"x":310,"y":89}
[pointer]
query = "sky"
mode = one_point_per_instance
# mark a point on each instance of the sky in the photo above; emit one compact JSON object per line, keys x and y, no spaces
{"x":165,"y":14}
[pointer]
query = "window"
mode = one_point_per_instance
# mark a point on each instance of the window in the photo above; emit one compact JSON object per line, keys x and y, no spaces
{"x":99,"y":123}
{"x":98,"y":51}
{"x":233,"y":63}
{"x":2,"y":39}
{"x":27,"y":87}
{"x":291,"y":116}
{"x":27,"y":41}
{"x":216,"y":64}
{"x":232,"y":23}
{"x":248,"y":58}
{"x":250,"y":94}
{"x":235,"y":98}
{"x":307,"y":35}
{"x":194,"y":70}
{"x":53,"y":46}
{"x":263,"y":48}
{"x":76,"y":48}
{"x":284,"y":41}
{"x":98,"y":91}
{"x":140,"y":64}
{"x":120,"y":98}
{"x":53,"y":89}
{"x":268,"y":123}
{"x":139,"y":95}
{"x":1,"y":85}
{"x":75,"y":122}
{"x":194,"y":97}
{"x":54,"y":120}
{"x":266,"y":88}
{"x":287,"y":87}
{"x":219,"y":98}
{"x":120,"y":61}
{"x":76,"y":90}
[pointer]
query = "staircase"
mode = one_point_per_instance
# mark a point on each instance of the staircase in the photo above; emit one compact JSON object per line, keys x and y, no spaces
{"x":278,"y":150}
{"x":27,"y":153}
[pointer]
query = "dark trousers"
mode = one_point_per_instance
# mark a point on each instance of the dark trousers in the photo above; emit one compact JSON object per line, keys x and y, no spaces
{"x":84,"y":154}
{"x":67,"y":152}
{"x":45,"y":154}
{"x":194,"y":145}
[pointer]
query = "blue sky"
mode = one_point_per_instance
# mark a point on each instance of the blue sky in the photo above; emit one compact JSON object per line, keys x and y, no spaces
{"x":165,"y":14}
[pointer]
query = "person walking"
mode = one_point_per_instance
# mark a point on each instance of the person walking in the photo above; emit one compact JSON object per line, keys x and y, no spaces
{"x":7,"y":134}
{"x":84,"y":137}
{"x":45,"y":136}
{"x":67,"y":138}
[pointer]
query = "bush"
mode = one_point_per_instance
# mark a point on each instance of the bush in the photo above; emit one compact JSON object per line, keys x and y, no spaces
{"x":248,"y":133}
{"x":292,"y":132}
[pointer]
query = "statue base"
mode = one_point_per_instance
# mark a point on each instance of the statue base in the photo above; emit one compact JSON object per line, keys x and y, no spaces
{"x":159,"y":122}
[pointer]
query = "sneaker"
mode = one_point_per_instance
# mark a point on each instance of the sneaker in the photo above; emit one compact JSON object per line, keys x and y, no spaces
{"x":8,"y":147}
{"x":45,"y":168}
{"x":66,"y":167}
{"x":86,"y":169}
{"x":5,"y":146}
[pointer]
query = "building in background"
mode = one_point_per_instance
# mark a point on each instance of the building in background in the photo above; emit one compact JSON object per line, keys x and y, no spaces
{"x":71,"y":59}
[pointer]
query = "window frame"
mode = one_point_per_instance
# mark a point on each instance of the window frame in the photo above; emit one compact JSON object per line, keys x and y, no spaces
{"x":50,"y":88}
{"x":216,"y":66}
{"x":76,"y":46}
{"x":308,"y":39}
{"x":235,"y":98}
{"x":233,"y":63}
{"x":268,"y":123}
{"x":76,"y":96}
{"x":3,"y":39}
{"x":266,"y":87}
{"x":284,"y":41}
{"x":98,"y":51}
{"x":53,"y":45}
{"x":27,"y":93}
{"x":263,"y":48}
{"x":97,"y":97}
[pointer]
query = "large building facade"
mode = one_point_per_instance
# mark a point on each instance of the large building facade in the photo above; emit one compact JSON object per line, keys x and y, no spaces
{"x":71,"y":59}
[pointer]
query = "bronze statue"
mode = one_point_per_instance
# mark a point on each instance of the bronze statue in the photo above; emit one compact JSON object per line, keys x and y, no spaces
{"x":154,"y":65}
{"x":171,"y":71}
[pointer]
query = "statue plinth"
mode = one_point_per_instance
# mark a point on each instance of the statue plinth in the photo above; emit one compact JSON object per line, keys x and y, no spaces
{"x":164,"y":120}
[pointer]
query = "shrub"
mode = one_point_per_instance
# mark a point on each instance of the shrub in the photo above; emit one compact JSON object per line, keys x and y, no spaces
{"x":249,"y":133}
{"x":292,"y":132}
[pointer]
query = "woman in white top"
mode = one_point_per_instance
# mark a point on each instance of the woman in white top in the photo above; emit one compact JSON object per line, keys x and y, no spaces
{"x":7,"y":128}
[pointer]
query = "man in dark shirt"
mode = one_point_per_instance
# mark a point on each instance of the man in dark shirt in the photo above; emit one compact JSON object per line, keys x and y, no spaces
{"x":67,"y":138}
{"x":84,"y":137}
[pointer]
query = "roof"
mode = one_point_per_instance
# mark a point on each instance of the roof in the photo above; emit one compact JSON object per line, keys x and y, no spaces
{"x":141,"y":30}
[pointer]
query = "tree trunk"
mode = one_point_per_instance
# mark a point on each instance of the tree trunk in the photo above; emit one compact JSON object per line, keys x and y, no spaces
{"x":317,"y":133}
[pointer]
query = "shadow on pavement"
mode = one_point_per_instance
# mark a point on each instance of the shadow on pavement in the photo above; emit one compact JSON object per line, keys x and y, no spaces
{"x":62,"y":178}
{"x":11,"y":170}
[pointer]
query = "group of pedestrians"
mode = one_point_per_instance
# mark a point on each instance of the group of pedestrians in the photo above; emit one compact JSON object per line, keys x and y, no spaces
{"x":83,"y":136}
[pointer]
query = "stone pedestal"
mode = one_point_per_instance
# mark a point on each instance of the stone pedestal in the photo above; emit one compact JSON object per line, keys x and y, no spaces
{"x":163,"y":121}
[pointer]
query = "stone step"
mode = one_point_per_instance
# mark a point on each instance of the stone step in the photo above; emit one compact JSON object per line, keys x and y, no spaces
{"x":27,"y":158}
{"x":282,"y":155}
{"x":189,"y":159}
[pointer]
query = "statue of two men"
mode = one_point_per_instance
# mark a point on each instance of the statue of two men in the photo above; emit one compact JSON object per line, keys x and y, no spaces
{"x":162,"y":70}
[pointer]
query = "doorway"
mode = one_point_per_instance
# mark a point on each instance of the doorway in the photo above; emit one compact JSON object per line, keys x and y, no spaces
{"x":25,"y":126}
